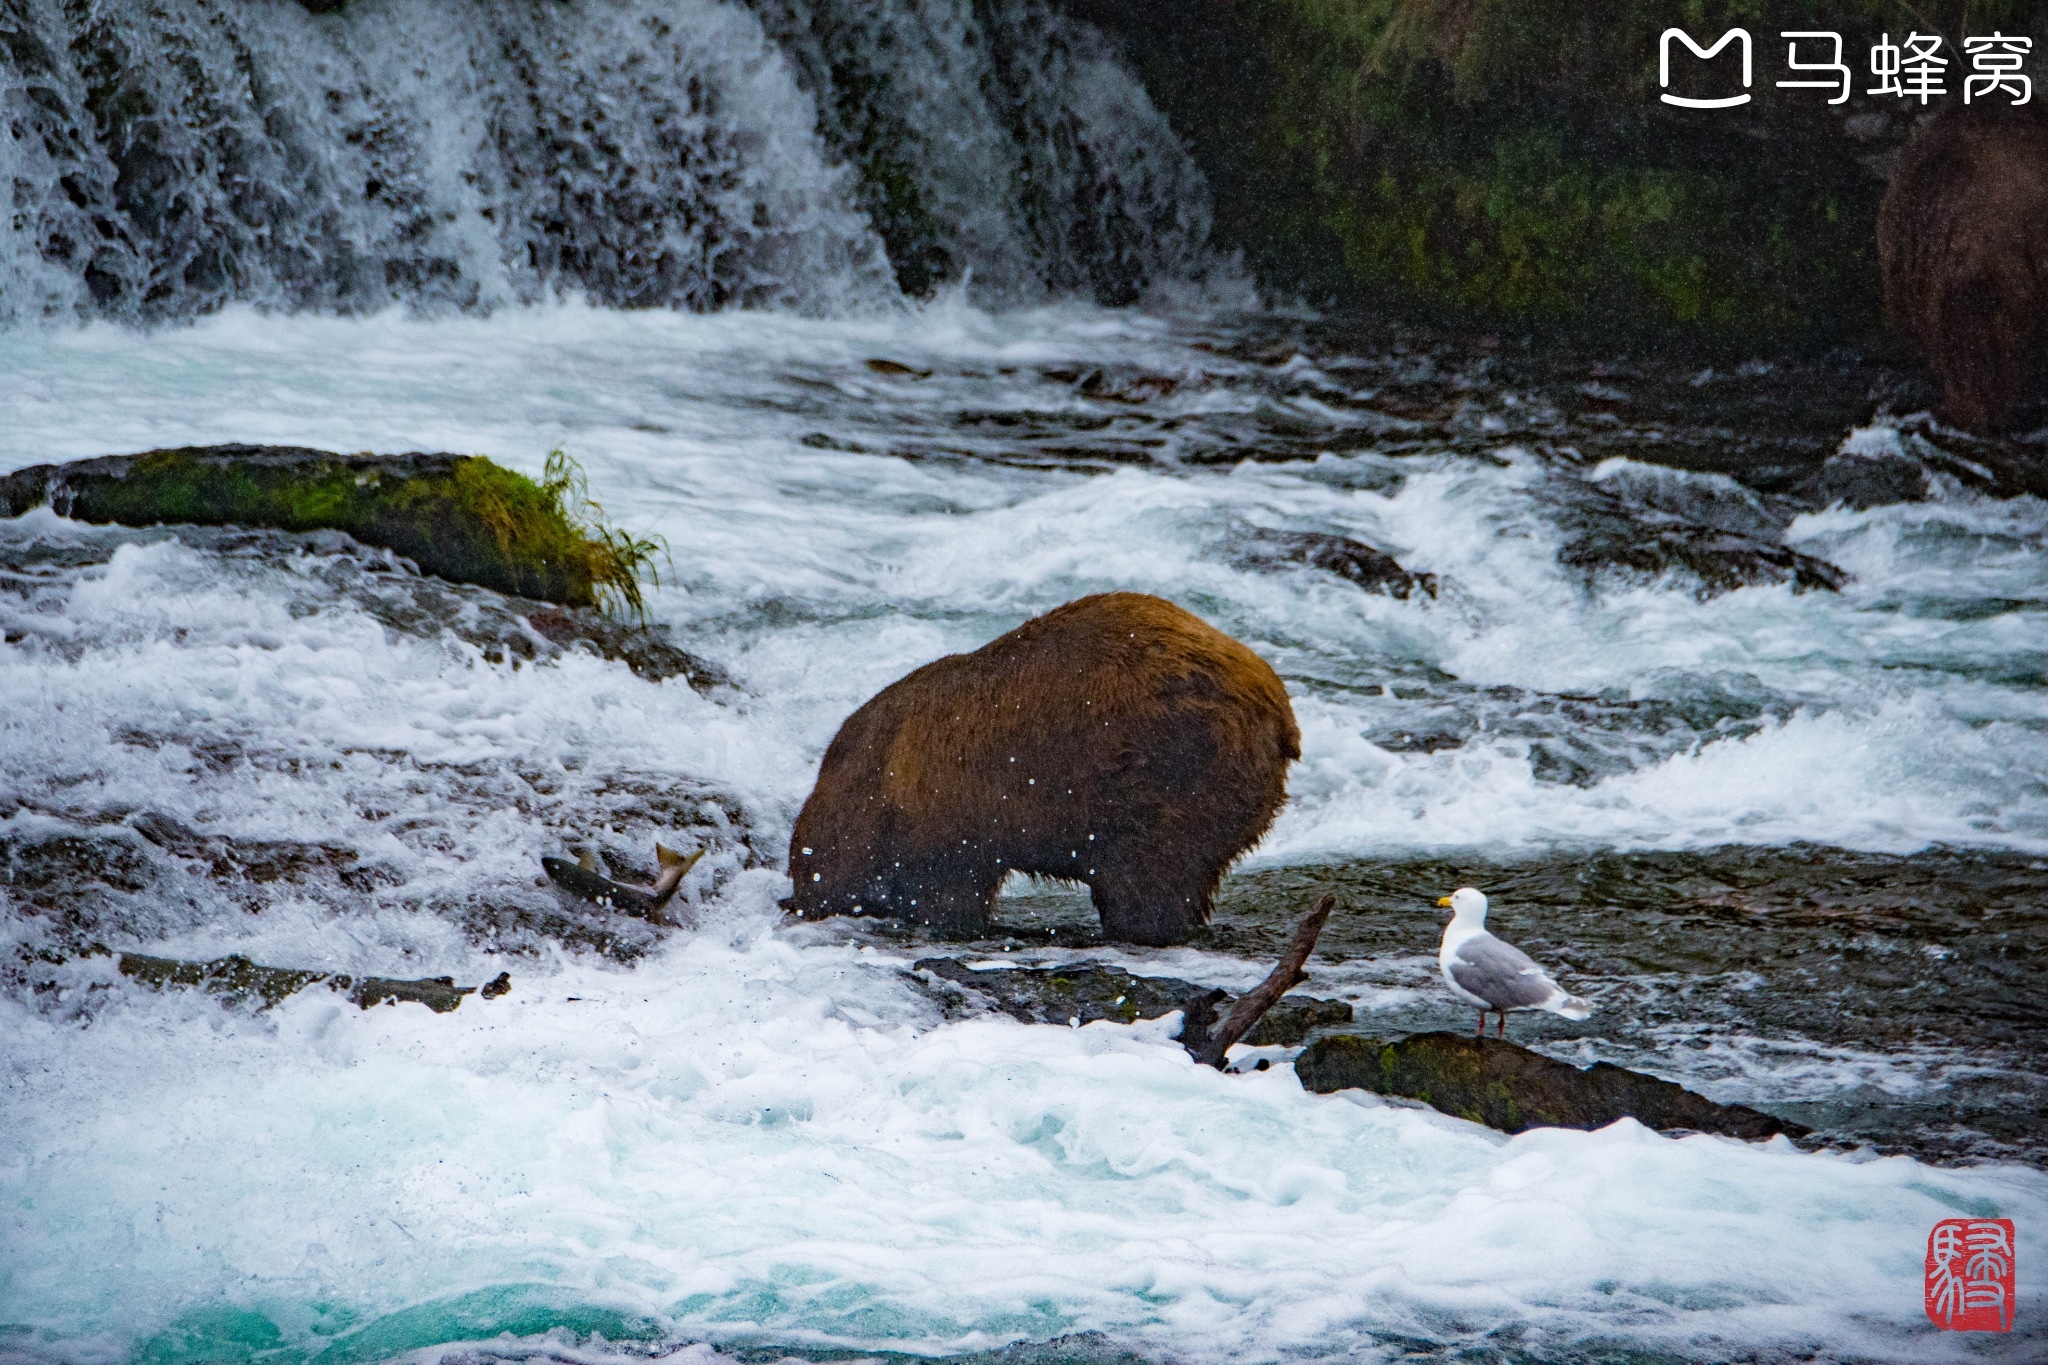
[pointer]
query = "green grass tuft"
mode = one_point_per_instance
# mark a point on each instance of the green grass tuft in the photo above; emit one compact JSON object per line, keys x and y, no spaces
{"x":615,"y":561}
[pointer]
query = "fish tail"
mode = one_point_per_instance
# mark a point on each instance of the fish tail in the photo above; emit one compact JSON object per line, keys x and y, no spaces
{"x":674,"y":866}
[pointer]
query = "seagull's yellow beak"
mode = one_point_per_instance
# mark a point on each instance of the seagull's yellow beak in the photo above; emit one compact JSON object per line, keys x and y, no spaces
{"x":1444,"y":902}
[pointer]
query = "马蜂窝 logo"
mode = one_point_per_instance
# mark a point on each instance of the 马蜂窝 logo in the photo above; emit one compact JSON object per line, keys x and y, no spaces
{"x":1912,"y":69}
{"x":1971,"y":1285}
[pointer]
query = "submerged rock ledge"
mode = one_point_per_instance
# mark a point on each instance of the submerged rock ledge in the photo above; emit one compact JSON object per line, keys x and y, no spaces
{"x":1084,"y":992}
{"x":1506,"y":1086}
{"x":237,"y":980}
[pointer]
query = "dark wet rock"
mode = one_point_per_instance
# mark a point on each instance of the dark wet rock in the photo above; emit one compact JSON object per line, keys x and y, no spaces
{"x":1506,"y":1086}
{"x":42,"y":872}
{"x":897,"y":367}
{"x":1352,"y":560}
{"x":1801,"y":961}
{"x":1917,"y":461}
{"x":153,"y":877}
{"x":1714,"y":500}
{"x":259,"y":861}
{"x":235,"y":979}
{"x":649,"y":650}
{"x":503,"y":628}
{"x":1127,"y":388}
{"x":439,"y":994}
{"x":1648,"y":524}
{"x":334,"y":568}
{"x":457,"y":516}
{"x":1113,"y":385}
{"x":1578,"y":738}
{"x":1719,"y":561}
{"x":1088,"y":991}
{"x":64,"y":888}
{"x":238,"y":981}
{"x":1860,"y":482}
{"x":502,"y":925}
{"x":1085,"y":991}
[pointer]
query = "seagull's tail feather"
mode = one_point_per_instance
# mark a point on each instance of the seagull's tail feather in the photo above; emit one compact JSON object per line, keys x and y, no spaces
{"x":1570,"y":1006}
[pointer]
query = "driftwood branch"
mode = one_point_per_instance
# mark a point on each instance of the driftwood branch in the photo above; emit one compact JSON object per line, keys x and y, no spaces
{"x":1208,"y":1045}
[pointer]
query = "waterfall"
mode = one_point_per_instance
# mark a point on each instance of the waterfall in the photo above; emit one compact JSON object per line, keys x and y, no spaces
{"x":167,"y":157}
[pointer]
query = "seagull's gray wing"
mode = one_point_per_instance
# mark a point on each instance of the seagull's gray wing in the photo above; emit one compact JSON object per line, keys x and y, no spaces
{"x":1506,"y":978}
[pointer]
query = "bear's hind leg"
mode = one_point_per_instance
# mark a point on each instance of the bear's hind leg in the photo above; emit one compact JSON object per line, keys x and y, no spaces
{"x":1139,"y":906}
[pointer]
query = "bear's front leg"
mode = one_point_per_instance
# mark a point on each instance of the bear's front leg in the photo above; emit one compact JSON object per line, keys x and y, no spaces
{"x":952,"y":909}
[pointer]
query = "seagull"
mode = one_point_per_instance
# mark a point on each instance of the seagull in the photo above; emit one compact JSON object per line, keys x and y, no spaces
{"x":1483,"y":971}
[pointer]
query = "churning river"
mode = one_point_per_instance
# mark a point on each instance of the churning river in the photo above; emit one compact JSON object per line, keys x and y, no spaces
{"x":1791,"y":843}
{"x":1763,"y":775}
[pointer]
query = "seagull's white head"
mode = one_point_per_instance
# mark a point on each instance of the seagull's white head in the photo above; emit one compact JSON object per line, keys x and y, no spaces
{"x":1466,"y":904}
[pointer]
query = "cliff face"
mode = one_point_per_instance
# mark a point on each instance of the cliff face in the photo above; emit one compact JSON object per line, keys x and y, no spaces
{"x":1509,"y":162}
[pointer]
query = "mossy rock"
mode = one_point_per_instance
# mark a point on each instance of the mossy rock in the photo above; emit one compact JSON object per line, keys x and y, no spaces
{"x":1504,"y":1086}
{"x":460,"y":517}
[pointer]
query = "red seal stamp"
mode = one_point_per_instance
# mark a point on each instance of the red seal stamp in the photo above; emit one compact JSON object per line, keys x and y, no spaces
{"x":1971,"y":1285}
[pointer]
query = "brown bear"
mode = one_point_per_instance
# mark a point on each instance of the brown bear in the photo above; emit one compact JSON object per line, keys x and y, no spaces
{"x":1962,"y":238}
{"x":1116,"y":741}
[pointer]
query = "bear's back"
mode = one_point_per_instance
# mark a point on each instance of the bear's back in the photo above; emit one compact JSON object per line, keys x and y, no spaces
{"x":1091,"y":688}
{"x":1101,"y":663}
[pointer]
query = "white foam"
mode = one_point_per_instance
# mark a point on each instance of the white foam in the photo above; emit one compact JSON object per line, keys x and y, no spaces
{"x":1878,"y":441}
{"x":707,"y":1145}
{"x":1864,"y":782}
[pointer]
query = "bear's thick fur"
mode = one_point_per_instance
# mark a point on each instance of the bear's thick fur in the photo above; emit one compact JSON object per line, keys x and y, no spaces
{"x":1962,"y":238}
{"x":1116,"y":741}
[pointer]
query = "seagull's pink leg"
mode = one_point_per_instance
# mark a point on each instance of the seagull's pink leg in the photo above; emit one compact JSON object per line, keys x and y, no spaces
{"x":1482,"y":1025}
{"x":1502,"y":1031}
